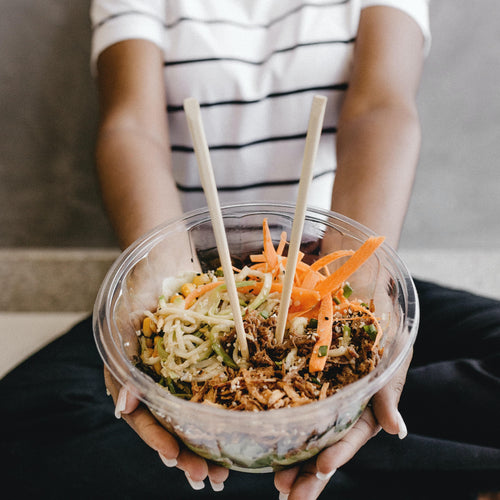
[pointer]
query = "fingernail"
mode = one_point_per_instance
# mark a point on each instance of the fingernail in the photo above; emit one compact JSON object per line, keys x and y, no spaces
{"x":196,"y":485}
{"x":283,"y":496}
{"x":403,"y":431}
{"x":325,"y":477}
{"x":169,"y":462}
{"x":121,"y":402}
{"x":216,"y":486}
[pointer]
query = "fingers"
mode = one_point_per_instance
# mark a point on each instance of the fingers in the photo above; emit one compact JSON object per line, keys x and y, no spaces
{"x":307,"y":481}
{"x":341,"y":452}
{"x":142,"y":421}
{"x":284,"y":479}
{"x":385,"y":402}
{"x":300,"y":482}
{"x":216,"y":476}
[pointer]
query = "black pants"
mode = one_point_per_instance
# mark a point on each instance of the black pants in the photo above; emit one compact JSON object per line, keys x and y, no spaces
{"x":60,"y":439}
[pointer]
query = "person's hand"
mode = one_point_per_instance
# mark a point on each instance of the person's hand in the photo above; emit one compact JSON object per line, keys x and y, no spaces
{"x":170,"y":451}
{"x":306,"y":481}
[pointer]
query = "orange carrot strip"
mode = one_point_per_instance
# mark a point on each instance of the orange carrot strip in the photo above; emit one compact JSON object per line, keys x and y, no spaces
{"x":301,"y":298}
{"x":269,"y":250}
{"x":308,"y":313}
{"x":199,"y":291}
{"x":311,"y":279}
{"x":328,"y":259}
{"x":301,"y":267}
{"x":325,"y":323}
{"x":282,"y":243}
{"x":257,"y":258}
{"x":360,"y":256}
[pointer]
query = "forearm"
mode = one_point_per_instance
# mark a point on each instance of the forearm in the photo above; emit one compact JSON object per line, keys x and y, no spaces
{"x":377,"y":154}
{"x":133,"y":145}
{"x":136,"y":183}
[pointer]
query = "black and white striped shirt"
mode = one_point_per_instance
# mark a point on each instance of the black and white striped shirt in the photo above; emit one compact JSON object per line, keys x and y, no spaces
{"x":254,"y":66}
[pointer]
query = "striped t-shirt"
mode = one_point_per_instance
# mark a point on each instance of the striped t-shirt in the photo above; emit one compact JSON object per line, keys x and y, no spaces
{"x":254,"y":66}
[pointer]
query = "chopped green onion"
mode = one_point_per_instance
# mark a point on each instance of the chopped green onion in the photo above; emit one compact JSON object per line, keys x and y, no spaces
{"x":336,"y":300}
{"x":219,"y":350}
{"x":265,"y":314}
{"x":174,"y":387}
{"x":171,"y":386}
{"x":314,"y":380}
{"x":161,"y":350}
{"x":371,"y":330}
{"x":239,"y":284}
{"x":346,"y":329}
{"x":322,"y":351}
{"x":264,"y":292}
{"x":313,"y":323}
{"x":347,"y":290}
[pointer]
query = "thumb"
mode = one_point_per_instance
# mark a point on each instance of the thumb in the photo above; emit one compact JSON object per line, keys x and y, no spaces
{"x":385,"y":402}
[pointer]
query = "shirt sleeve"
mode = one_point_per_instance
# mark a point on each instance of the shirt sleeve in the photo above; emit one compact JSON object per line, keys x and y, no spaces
{"x":117,"y":20}
{"x":416,"y":9}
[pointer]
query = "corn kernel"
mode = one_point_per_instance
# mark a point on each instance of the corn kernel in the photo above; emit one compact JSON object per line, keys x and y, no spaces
{"x":200,"y":279}
{"x":148,"y":326}
{"x":176,"y":297}
{"x":187,"y":288}
{"x":157,"y":367}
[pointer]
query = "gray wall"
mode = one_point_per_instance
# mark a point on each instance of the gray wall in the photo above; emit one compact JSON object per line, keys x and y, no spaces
{"x":48,"y":190}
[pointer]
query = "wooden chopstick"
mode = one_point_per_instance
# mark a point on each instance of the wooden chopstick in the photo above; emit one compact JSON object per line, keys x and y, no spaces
{"x":314,"y":128}
{"x":193,"y":114}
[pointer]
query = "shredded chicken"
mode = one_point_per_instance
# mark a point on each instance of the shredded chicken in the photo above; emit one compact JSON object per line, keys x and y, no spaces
{"x":277,"y":376}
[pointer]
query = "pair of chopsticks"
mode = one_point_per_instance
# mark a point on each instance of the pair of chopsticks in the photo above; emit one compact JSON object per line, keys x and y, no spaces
{"x":195,"y":124}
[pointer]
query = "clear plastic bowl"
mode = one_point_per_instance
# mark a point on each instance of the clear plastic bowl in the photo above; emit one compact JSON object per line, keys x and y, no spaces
{"x":250,"y":441}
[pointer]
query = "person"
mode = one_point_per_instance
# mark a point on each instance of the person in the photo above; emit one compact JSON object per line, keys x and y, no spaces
{"x":254,"y":66}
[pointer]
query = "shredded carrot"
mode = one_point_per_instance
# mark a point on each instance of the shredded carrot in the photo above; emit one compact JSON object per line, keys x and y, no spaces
{"x":199,"y":291}
{"x":269,"y":250}
{"x":325,"y":324}
{"x":314,"y":290}
{"x":282,"y":243}
{"x":301,"y":298}
{"x":257,"y":258}
{"x":328,"y":259}
{"x":357,"y":259}
{"x":311,"y":279}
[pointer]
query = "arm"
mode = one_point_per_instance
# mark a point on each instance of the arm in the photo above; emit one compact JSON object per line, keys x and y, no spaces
{"x":378,"y":144}
{"x":134,"y":167}
{"x":378,"y":137}
{"x":133,"y":150}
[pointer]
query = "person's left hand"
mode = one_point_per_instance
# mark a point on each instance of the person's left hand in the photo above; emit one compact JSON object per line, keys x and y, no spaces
{"x":171,"y":452}
{"x":306,"y":481}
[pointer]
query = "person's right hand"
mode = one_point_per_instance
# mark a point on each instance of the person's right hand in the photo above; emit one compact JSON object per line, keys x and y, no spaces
{"x":171,"y":452}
